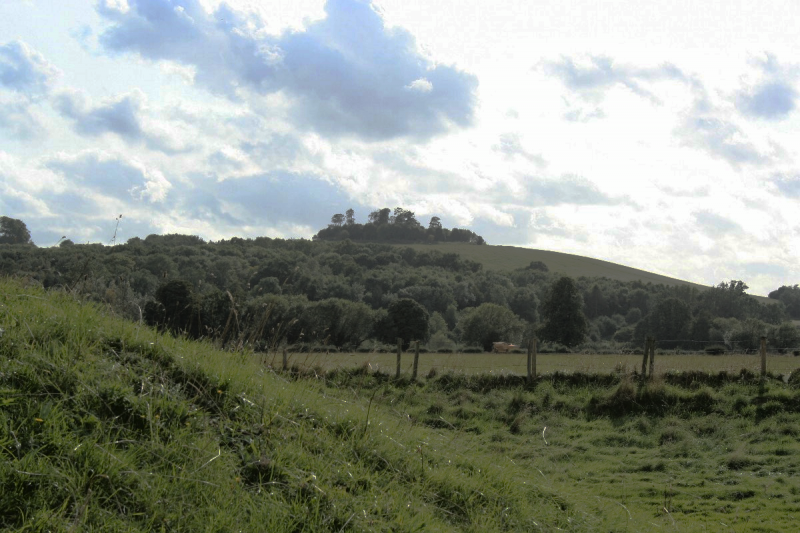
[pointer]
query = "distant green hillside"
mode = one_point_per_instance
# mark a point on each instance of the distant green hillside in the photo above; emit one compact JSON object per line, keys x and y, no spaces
{"x":511,"y":257}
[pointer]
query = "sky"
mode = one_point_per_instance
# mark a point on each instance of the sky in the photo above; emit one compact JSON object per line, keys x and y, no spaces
{"x":658,"y":135}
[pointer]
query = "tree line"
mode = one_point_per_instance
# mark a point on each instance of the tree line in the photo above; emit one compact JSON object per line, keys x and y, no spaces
{"x":321,"y":294}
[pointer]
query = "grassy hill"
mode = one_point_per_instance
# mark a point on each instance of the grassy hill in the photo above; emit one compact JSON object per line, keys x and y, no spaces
{"x":512,"y":257}
{"x":106,"y":425}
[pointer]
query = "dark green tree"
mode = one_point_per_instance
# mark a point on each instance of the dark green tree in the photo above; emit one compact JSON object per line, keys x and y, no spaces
{"x":784,"y":336}
{"x":405,"y":319}
{"x":790,"y":296}
{"x":179,"y":311}
{"x":13,"y":231}
{"x":489,"y":323}
{"x":562,"y":311}
{"x":668,"y":323}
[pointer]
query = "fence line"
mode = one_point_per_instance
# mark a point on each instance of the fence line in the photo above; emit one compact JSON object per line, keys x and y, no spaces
{"x":444,"y":360}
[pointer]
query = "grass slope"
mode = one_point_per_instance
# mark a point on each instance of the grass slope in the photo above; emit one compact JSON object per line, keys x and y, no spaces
{"x":108,"y":426}
{"x":512,"y":257}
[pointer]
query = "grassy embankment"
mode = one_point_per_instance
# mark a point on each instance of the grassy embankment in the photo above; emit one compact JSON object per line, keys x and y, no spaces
{"x":105,"y":425}
{"x":512,"y":257}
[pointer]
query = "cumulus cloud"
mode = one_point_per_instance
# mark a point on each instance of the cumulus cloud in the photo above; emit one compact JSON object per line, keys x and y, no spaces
{"x":18,"y":118}
{"x":510,"y":146}
{"x":566,"y":190}
{"x":273,"y":199}
{"x":601,"y":73}
{"x":787,"y":185}
{"x":770,"y":100}
{"x":122,"y":115}
{"x":773,"y":97}
{"x":111,"y":175}
{"x":719,"y":138}
{"x":25,"y":70}
{"x":715,"y":225}
{"x":543,"y":223}
{"x":347,"y":74}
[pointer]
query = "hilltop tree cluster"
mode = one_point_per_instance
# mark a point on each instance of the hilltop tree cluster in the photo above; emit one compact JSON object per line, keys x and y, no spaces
{"x":267,"y":292}
{"x":398,"y":226}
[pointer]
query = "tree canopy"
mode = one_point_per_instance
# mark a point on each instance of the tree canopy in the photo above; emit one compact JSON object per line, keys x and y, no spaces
{"x":564,"y":321}
{"x":393,"y":226}
{"x":14,"y":231}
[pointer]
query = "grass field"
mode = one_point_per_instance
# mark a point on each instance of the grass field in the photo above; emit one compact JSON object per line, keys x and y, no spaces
{"x":512,"y":257}
{"x":106,"y":425}
{"x":501,"y":364}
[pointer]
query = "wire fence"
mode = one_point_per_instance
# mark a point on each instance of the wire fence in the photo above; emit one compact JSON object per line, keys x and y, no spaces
{"x":738,"y":355}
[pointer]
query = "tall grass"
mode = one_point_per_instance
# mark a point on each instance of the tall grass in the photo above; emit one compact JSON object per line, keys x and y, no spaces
{"x":107,"y":425}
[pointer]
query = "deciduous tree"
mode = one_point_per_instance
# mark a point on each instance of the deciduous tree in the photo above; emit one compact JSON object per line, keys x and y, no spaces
{"x":562,"y":311}
{"x":14,"y":231}
{"x":489,"y":323}
{"x":405,"y":319}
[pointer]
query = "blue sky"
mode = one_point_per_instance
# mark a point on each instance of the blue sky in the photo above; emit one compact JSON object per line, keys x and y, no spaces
{"x":656,"y":135}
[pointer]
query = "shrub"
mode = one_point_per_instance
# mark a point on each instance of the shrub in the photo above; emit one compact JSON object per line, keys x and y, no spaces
{"x":472,"y":349}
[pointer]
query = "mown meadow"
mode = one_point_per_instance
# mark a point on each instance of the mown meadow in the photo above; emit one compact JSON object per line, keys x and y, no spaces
{"x":106,"y":425}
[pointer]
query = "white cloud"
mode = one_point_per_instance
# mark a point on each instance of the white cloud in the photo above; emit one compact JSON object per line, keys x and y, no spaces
{"x":24,"y":70}
{"x":420,"y":84}
{"x":659,"y":138}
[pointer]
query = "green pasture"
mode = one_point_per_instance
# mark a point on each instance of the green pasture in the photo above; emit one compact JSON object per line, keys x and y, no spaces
{"x":106,"y":425}
{"x":512,"y":257}
{"x":501,"y":364}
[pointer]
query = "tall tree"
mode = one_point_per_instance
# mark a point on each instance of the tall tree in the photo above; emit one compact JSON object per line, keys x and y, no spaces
{"x":790,"y":296}
{"x":13,"y":231}
{"x":337,"y":219}
{"x":669,"y":323}
{"x":350,"y":217}
{"x":562,"y":310}
{"x":405,"y":319}
{"x":379,"y":217}
{"x":489,"y":323}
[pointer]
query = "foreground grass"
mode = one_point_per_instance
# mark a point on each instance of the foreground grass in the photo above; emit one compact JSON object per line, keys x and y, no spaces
{"x":105,"y":425}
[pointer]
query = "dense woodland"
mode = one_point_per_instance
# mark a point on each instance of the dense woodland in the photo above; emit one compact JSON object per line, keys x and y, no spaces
{"x":327,"y":295}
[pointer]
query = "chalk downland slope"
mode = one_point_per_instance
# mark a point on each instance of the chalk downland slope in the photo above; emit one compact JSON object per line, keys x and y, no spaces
{"x":512,"y":257}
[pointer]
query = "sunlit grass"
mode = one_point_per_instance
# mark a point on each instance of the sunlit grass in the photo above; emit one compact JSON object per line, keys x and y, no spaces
{"x":107,"y":426}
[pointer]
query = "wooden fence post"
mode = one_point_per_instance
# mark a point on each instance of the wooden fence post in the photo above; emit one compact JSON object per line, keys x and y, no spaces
{"x":285,"y":360}
{"x":644,"y":360}
{"x":652,"y":342}
{"x":416,"y":361}
{"x":763,"y":357}
{"x":530,"y":351}
{"x":399,"y":352}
